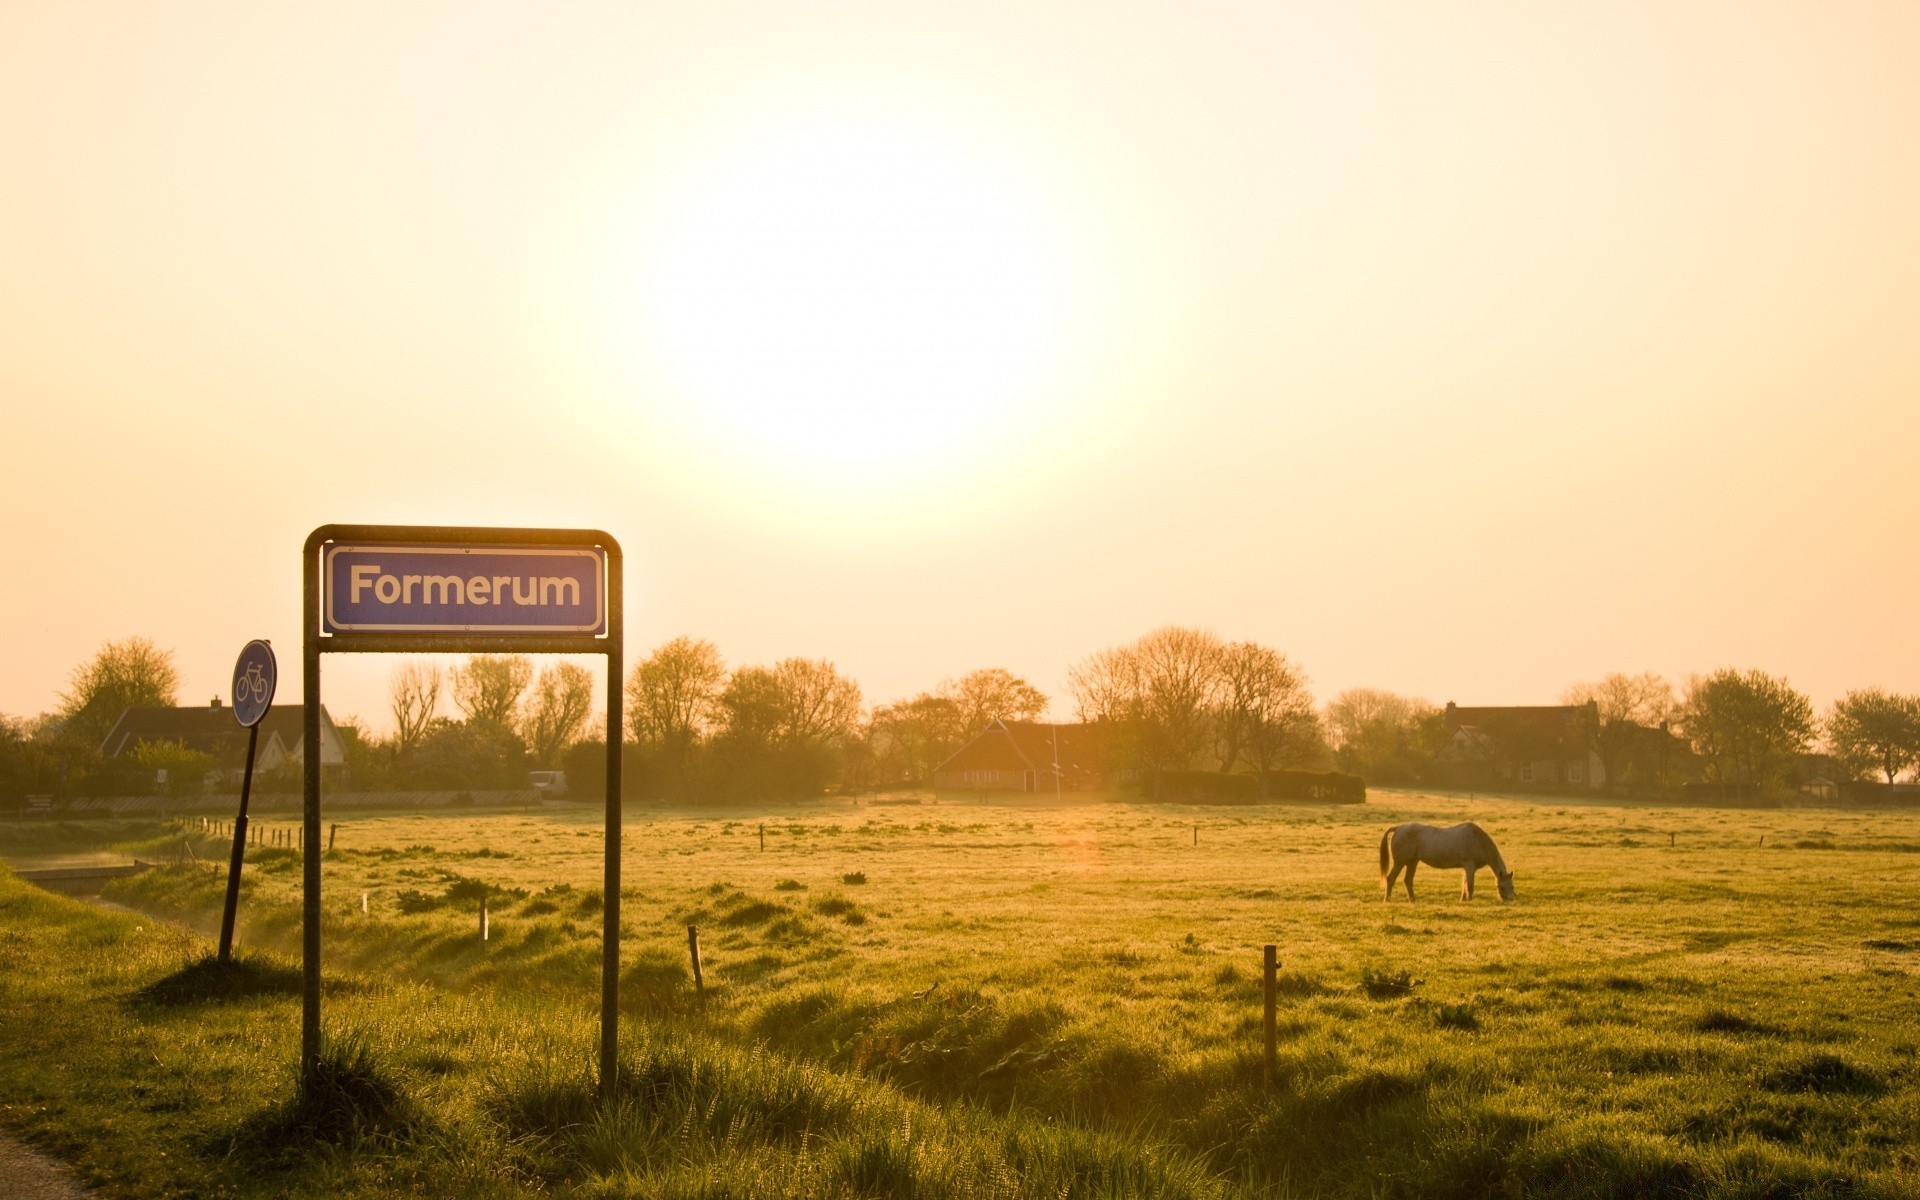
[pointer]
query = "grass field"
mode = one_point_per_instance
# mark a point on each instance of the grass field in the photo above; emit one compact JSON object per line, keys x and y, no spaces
{"x":963,"y":999}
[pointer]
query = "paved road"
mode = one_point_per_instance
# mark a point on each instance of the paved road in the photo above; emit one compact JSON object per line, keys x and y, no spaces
{"x":25,"y":1175}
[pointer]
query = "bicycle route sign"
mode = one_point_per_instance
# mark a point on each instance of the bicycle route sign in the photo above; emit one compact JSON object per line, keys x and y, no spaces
{"x":463,"y":589}
{"x":255,"y":675}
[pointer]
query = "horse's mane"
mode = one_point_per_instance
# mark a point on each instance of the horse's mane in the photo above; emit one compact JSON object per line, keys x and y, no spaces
{"x":1485,"y":843}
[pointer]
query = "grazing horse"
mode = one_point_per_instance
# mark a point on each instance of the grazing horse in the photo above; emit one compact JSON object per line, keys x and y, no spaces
{"x":1466,"y":846}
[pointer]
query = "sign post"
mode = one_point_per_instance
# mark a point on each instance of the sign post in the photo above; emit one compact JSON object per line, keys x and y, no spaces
{"x":254,"y":676}
{"x":408,"y":589}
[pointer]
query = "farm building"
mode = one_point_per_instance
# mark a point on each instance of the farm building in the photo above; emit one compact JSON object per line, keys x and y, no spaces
{"x":212,"y":730}
{"x":1535,"y":746}
{"x":1026,"y":756}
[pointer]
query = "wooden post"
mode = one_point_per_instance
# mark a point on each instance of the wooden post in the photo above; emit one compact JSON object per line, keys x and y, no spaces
{"x":693,"y":951}
{"x":1271,"y":967}
{"x":333,"y":831}
{"x":483,"y":918}
{"x":363,"y":904}
{"x":763,"y":837}
{"x":1670,"y":840}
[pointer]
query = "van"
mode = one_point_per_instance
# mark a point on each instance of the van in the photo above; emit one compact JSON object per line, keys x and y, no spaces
{"x":549,"y":783}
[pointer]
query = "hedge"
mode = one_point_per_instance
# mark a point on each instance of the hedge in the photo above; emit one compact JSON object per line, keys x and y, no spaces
{"x":1213,"y":787}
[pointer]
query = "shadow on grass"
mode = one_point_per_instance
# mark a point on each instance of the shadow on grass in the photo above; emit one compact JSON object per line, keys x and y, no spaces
{"x":207,"y":980}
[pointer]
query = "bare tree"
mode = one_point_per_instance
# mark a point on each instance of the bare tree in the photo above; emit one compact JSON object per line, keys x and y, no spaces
{"x":133,"y":673}
{"x":488,"y":688}
{"x":558,"y":706}
{"x":1644,"y":699}
{"x":1264,"y":711}
{"x":1629,"y":706}
{"x":818,"y":704}
{"x":674,"y":694}
{"x":993,"y":694}
{"x":1383,"y":736}
{"x":1873,"y":729}
{"x":1158,"y":693}
{"x":413,"y":696}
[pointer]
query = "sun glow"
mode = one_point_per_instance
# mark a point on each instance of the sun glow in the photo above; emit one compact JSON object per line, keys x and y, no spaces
{"x":851,"y":303}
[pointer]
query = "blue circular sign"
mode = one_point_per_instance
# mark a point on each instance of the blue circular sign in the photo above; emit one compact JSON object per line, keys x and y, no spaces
{"x":254,"y":676}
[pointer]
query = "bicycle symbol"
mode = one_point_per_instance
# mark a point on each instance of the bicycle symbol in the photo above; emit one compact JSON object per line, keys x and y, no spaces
{"x":250,"y":688}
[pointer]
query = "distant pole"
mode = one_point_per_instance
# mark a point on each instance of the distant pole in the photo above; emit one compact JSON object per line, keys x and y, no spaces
{"x":333,"y":831}
{"x":483,"y":918}
{"x":693,"y":952}
{"x":1271,"y":968}
{"x":763,"y":837}
{"x":232,"y":907}
{"x":1196,"y":833}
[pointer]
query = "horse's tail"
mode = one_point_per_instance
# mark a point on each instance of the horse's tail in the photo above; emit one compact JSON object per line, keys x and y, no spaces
{"x":1386,"y":853}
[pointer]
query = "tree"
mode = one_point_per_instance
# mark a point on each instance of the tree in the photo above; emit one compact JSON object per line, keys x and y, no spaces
{"x":1645,"y":699}
{"x":1157,"y":694}
{"x":488,"y":688}
{"x":912,"y":737}
{"x":413,"y":692}
{"x":185,"y":770}
{"x":1383,"y":736}
{"x":1635,"y":711}
{"x":785,"y":728}
{"x":1873,"y":729}
{"x":673,"y":696}
{"x":991,"y":694}
{"x":818,"y":705}
{"x":1264,"y":713}
{"x":133,"y":673}
{"x":1749,"y":726}
{"x":561,"y":700}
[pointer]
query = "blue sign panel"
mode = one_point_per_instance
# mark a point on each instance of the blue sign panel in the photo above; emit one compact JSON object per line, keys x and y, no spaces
{"x":254,"y":675}
{"x":478,"y":588}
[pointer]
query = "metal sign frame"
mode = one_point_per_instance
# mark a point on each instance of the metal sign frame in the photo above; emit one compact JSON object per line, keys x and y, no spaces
{"x":457,"y":641}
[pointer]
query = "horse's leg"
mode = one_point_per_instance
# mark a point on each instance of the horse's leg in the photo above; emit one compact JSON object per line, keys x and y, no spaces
{"x":1410,"y":867}
{"x":1466,"y":888}
{"x":1393,"y":877}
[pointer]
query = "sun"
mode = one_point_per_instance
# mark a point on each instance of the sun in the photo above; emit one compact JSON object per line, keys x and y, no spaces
{"x":842,"y":300}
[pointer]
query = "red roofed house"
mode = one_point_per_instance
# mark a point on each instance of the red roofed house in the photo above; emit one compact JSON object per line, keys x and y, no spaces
{"x":1532,"y":746}
{"x":1027,"y":756}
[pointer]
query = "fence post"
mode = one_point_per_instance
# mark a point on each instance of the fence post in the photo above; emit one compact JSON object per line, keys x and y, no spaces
{"x":693,"y":951}
{"x":483,"y":918}
{"x":1271,"y":969}
{"x":763,"y":837}
{"x":333,"y":831}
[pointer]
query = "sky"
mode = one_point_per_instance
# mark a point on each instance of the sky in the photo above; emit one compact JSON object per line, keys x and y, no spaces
{"x":1464,"y":350}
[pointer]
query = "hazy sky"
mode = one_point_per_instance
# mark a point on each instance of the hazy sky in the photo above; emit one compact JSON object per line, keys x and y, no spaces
{"x":1466,"y":350}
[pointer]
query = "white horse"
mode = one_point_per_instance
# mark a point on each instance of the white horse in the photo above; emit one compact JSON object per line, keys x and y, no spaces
{"x":1466,"y":846}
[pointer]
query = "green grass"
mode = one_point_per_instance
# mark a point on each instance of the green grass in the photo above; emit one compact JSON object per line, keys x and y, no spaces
{"x":975,"y":1000}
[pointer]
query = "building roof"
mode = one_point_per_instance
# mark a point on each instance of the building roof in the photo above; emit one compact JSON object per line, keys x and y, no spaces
{"x":210,"y":729}
{"x":1029,"y":746}
{"x":1538,"y":731}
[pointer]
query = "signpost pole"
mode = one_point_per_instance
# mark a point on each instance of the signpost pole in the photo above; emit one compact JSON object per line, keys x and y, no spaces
{"x":310,"y":770}
{"x":239,"y":852}
{"x":610,"y":945}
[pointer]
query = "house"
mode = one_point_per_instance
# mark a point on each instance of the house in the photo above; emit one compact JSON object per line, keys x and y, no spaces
{"x":213,"y":731}
{"x":1553,"y":746}
{"x":1027,"y":756}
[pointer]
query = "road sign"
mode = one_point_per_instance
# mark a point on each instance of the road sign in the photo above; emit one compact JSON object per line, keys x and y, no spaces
{"x":460,"y":589}
{"x":254,"y":676}
{"x":418,"y":589}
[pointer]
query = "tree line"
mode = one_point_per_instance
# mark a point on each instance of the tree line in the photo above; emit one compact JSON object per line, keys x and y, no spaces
{"x":1176,"y":699}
